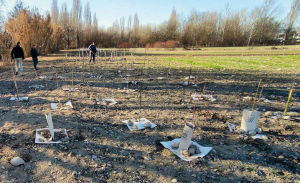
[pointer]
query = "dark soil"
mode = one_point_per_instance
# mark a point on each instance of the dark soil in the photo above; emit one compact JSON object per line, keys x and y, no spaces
{"x":102,"y":149}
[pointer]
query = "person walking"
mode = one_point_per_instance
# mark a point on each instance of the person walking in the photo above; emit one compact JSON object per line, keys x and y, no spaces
{"x":93,"y":52}
{"x":34,"y":55}
{"x":17,"y":54}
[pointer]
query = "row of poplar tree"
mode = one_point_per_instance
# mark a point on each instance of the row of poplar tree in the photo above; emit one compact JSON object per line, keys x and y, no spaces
{"x":63,"y":29}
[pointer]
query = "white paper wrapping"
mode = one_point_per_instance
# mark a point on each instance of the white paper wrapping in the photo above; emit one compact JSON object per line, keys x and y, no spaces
{"x":139,"y":124}
{"x":204,"y":150}
{"x":67,"y":106}
{"x":196,"y":96}
{"x":39,"y":139}
{"x":20,"y":98}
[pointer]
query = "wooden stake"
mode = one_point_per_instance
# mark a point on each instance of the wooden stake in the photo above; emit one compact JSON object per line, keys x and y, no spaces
{"x":56,"y":76}
{"x":83,"y":70}
{"x":190,"y":74}
{"x":64,"y":66}
{"x":254,"y":100}
{"x":194,"y":113}
{"x":144,"y":63}
{"x":261,"y":92}
{"x":288,"y":101}
{"x":140,"y":99}
{"x":125,"y":61}
{"x":204,"y":88}
{"x":73,"y":75}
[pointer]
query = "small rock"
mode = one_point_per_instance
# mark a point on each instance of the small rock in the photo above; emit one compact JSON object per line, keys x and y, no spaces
{"x":147,"y":124}
{"x":265,"y":138}
{"x":64,"y":139}
{"x":269,"y":113}
{"x":94,"y":157}
{"x":130,"y":123}
{"x":240,"y":131}
{"x":16,"y":161}
{"x":174,"y":180}
{"x":252,"y":133}
{"x":175,"y":145}
{"x":194,"y":175}
{"x":142,"y":166}
{"x":192,"y":150}
{"x":175,"y":162}
{"x":190,"y":107}
{"x":281,"y":157}
{"x":261,"y":173}
{"x":258,"y":130}
{"x":87,"y":157}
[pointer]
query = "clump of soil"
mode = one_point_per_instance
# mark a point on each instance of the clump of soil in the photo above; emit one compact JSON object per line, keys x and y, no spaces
{"x":45,"y":133}
{"x":59,"y":135}
{"x":192,"y":150}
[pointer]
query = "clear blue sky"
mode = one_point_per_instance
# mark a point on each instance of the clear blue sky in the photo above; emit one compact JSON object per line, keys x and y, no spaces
{"x":153,"y":11}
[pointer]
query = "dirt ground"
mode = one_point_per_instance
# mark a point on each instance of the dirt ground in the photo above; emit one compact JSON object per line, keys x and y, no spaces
{"x":103,"y":149}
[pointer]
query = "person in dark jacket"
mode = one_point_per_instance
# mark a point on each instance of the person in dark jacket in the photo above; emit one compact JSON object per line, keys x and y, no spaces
{"x":93,"y":51}
{"x":34,"y":55}
{"x":17,"y":54}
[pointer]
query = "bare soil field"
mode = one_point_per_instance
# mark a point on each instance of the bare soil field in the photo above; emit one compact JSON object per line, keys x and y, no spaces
{"x":102,"y":149}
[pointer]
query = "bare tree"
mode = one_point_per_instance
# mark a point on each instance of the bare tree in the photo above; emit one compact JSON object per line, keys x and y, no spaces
{"x":225,"y":24}
{"x":136,"y":25}
{"x":210,"y":28}
{"x":19,"y":6}
{"x":64,"y":21}
{"x":292,"y":17}
{"x":122,"y":28}
{"x":129,"y":27}
{"x":251,"y":24}
{"x":5,"y":38}
{"x":36,"y":28}
{"x":1,"y":14}
{"x":95,"y":21}
{"x":76,"y":21}
{"x":129,"y":23}
{"x":267,"y":15}
{"x":172,"y":32}
{"x":87,"y":15}
{"x":54,"y":11}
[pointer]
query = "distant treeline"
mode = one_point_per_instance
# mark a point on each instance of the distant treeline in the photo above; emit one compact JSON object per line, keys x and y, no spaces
{"x":62,"y":29}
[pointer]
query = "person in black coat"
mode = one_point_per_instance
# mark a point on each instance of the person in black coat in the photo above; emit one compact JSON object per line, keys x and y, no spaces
{"x":34,"y":55}
{"x":17,"y":54}
{"x":93,"y":51}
